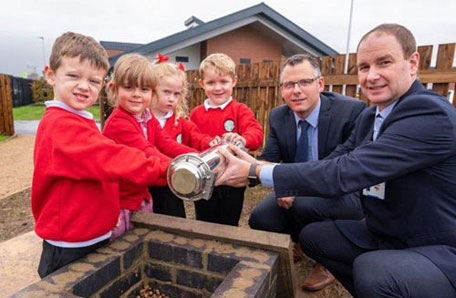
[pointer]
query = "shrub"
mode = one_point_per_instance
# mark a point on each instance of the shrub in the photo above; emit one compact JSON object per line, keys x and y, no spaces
{"x":41,"y":91}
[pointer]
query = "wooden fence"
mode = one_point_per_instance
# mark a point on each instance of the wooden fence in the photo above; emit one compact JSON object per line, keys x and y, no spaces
{"x":6,"y":106}
{"x":442,"y":76}
{"x":258,"y":84}
{"x":21,"y":91}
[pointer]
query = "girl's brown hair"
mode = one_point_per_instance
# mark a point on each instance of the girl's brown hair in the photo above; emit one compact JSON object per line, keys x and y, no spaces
{"x":130,"y":70}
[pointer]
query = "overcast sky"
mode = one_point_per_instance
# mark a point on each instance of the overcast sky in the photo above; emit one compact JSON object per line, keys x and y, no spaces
{"x":22,"y":22}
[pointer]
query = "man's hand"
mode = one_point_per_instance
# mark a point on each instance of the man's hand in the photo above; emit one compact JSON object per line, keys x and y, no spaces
{"x":237,"y":168}
{"x":241,"y":154}
{"x":285,"y":202}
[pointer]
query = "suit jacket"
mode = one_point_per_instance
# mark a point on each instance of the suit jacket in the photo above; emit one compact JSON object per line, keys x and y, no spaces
{"x":335,"y":122}
{"x":415,"y":154}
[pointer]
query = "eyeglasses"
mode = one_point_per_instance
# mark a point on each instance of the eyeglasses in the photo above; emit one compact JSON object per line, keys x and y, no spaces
{"x":289,"y":85}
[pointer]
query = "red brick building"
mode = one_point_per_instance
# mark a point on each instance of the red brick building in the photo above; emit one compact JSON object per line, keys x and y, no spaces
{"x":252,"y":35}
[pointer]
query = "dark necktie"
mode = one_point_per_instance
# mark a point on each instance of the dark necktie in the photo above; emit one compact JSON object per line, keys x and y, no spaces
{"x":303,"y":143}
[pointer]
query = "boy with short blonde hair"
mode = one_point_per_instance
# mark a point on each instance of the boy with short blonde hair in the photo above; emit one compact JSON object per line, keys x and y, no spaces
{"x":75,"y":192}
{"x":220,"y":63}
{"x":221,"y":116}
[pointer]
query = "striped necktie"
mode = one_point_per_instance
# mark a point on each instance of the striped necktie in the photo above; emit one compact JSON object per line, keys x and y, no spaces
{"x":377,"y":124}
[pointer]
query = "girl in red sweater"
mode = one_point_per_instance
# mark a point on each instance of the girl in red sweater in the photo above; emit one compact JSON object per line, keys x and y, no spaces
{"x":169,"y":106}
{"x":131,"y":123}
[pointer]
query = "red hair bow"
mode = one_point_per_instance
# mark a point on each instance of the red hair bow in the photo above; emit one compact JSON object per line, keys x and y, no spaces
{"x":181,"y":66}
{"x":161,"y":58}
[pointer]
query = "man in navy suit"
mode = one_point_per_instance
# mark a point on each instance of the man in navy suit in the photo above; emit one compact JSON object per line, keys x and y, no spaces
{"x":402,"y":156}
{"x":330,"y":118}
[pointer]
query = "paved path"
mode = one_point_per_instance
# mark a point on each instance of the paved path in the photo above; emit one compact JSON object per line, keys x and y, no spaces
{"x":26,"y":127}
{"x":19,"y":258}
{"x":29,"y":127}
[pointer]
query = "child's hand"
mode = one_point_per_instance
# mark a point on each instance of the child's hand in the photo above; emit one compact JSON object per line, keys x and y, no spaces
{"x":215,"y":141}
{"x":286,"y":202}
{"x":234,"y":138}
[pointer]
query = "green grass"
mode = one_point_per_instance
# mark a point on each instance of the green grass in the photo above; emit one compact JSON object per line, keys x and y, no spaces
{"x":35,"y":112}
{"x":3,"y":137}
{"x":30,"y":112}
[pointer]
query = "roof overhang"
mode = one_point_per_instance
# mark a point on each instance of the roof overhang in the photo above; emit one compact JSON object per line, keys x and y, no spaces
{"x":289,"y":42}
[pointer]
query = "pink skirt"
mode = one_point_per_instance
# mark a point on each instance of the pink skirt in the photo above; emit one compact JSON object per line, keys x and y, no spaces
{"x":124,"y":222}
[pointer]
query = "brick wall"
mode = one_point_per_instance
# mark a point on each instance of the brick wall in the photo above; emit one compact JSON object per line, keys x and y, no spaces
{"x":178,"y":266}
{"x":245,"y":42}
{"x":113,"y":52}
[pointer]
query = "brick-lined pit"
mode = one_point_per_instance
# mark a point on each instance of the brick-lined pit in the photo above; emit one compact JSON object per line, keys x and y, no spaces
{"x":182,"y":259}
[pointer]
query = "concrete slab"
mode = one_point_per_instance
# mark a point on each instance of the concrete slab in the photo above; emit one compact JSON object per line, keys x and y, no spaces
{"x":19,"y":258}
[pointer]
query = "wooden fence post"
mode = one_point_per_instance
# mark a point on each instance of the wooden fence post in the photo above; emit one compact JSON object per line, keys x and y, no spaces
{"x":6,"y":107}
{"x":350,"y":90}
{"x":445,"y":57}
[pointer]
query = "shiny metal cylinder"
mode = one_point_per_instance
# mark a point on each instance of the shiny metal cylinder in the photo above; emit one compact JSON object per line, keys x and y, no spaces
{"x":192,"y":176}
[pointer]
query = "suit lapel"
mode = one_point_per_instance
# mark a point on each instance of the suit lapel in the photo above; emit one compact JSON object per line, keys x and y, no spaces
{"x":289,"y":129}
{"x":370,"y":124}
{"x":324,"y":119}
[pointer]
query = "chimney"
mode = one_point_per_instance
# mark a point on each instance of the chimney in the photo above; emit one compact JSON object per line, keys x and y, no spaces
{"x":192,"y":22}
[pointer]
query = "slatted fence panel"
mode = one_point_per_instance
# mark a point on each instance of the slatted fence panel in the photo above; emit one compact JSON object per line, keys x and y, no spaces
{"x":6,"y":106}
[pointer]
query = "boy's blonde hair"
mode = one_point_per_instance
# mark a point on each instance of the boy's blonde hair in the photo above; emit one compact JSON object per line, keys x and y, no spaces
{"x":73,"y":45}
{"x":222,"y":64}
{"x":130,"y":70}
{"x":164,"y":69}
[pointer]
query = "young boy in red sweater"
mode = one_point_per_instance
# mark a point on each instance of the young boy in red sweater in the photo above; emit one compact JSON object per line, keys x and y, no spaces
{"x":220,"y":115}
{"x":75,"y":190}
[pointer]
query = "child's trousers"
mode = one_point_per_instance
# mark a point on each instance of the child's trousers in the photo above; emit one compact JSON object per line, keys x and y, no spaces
{"x":224,"y":207}
{"x":165,"y":202}
{"x":55,"y":257}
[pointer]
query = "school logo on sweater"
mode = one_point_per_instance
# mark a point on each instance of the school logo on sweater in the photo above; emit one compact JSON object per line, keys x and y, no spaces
{"x":229,"y":125}
{"x":179,"y":138}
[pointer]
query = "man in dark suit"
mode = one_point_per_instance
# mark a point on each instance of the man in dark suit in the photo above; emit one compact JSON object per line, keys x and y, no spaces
{"x":402,"y":156}
{"x":329,"y":118}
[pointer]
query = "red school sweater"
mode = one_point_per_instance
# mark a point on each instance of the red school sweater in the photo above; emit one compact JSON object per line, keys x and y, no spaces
{"x":123,"y":128}
{"x":75,"y":194}
{"x":187,"y":133}
{"x":235,"y":117}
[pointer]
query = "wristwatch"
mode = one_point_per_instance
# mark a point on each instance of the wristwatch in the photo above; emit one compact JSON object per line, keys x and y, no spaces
{"x":253,"y":180}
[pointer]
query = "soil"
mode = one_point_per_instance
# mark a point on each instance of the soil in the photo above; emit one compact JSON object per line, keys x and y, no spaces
{"x":16,"y":166}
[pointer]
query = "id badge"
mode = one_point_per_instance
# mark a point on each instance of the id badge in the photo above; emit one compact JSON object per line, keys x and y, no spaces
{"x":376,"y":191}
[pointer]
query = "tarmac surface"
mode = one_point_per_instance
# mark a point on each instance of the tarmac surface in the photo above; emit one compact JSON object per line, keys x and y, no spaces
{"x":29,"y":127}
{"x":26,"y":127}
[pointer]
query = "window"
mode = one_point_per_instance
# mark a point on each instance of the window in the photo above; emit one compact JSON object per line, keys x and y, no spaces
{"x":181,"y":59}
{"x":244,"y":61}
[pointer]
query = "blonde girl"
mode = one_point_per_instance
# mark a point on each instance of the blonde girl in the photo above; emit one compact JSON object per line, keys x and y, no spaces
{"x":169,"y":106}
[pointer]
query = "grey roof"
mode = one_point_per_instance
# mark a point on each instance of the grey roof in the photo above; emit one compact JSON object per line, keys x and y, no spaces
{"x":121,"y":46}
{"x":260,"y":9}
